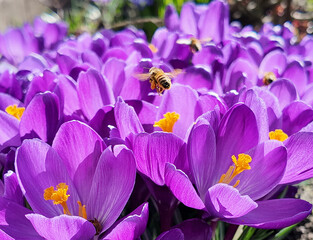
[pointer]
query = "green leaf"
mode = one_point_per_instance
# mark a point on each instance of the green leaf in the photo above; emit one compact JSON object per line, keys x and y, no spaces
{"x":284,"y":232}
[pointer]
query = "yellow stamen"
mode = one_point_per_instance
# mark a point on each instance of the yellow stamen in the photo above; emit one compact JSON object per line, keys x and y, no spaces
{"x":153,"y":48}
{"x":241,"y":165}
{"x":237,"y":183}
{"x":58,"y":196}
{"x":15,"y":111}
{"x":278,"y":135}
{"x":82,"y":210}
{"x":167,"y":123}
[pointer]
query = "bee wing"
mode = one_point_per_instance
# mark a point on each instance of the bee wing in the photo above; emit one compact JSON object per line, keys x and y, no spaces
{"x":206,"y":40}
{"x":184,"y":41}
{"x":142,"y":76}
{"x":174,"y":73}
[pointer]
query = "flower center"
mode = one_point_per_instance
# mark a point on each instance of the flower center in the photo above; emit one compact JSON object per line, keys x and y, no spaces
{"x":241,"y":165}
{"x":268,"y":78}
{"x":60,"y":196}
{"x":15,"y":111}
{"x":278,"y":135}
{"x":167,"y":123}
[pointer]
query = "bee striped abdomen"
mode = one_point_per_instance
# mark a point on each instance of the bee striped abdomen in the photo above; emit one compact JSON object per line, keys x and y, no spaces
{"x":165,"y":82}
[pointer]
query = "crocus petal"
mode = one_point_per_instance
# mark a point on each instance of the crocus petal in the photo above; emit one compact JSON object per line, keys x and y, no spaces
{"x":296,"y":74}
{"x":257,"y":105}
{"x":80,"y":147}
{"x":6,"y":100}
{"x":173,"y":234}
{"x":308,"y":94}
{"x":225,"y":201}
{"x":41,"y":117}
{"x":13,"y":221}
{"x":274,"y":110}
{"x":92,"y":58}
{"x":62,"y":227}
{"x":16,"y":44}
{"x":238,"y":132}
{"x":66,"y":63}
{"x":181,"y":99}
{"x":275,"y":214}
{"x":244,"y":68}
{"x":5,"y":236}
{"x":12,"y":190}
{"x":209,"y":54}
{"x":126,"y":119}
{"x":180,"y":185}
{"x":188,"y":19}
{"x":145,"y":111}
{"x":218,"y":17}
{"x":67,"y":93}
{"x":9,"y":134}
{"x":208,"y":102}
{"x":34,"y":63}
{"x":114,"y":52}
{"x":40,"y":84}
{"x":296,"y":116}
{"x":285,"y":91}
{"x":115,"y":175}
{"x":268,"y":164}
{"x":132,"y":226}
{"x":196,"y":77}
{"x":94,"y":92}
{"x":113,"y":70}
{"x":38,"y":167}
{"x":103,"y":120}
{"x":152,"y":151}
{"x":275,"y":62}
{"x":299,"y":166}
{"x":171,"y":19}
{"x":195,"y":229}
{"x":202,"y":156}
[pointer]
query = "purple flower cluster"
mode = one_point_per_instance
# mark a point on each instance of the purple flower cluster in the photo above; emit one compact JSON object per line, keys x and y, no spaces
{"x":85,"y":140}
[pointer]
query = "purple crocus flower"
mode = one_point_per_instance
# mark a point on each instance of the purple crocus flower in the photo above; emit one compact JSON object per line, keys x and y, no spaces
{"x":194,"y":20}
{"x":235,"y":172}
{"x":15,"y":44}
{"x":92,"y":182}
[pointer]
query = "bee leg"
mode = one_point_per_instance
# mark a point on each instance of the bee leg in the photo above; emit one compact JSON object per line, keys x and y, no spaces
{"x":152,"y":85}
{"x":161,"y":90}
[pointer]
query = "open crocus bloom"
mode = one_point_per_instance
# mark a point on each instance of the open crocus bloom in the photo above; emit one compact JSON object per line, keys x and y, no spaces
{"x":78,"y":176}
{"x":233,"y":171}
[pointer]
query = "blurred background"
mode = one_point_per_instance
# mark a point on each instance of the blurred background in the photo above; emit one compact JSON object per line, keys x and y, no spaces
{"x":84,"y":15}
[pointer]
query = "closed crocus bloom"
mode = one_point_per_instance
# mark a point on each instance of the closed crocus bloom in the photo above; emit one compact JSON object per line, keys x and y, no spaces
{"x":16,"y":44}
{"x":232,"y":171}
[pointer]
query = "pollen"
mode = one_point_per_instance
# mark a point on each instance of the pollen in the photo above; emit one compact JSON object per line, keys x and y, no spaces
{"x":241,"y":165}
{"x":153,"y":48}
{"x":167,"y":123}
{"x":15,"y":111}
{"x":278,"y":134}
{"x":58,"y":196}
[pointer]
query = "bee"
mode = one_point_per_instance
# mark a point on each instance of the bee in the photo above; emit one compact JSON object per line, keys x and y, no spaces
{"x":158,"y":79}
{"x":194,"y":43}
{"x":268,"y":78}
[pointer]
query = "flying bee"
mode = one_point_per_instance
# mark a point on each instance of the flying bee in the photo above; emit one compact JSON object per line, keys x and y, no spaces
{"x":268,"y":78}
{"x":158,"y":79}
{"x":194,"y":43}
